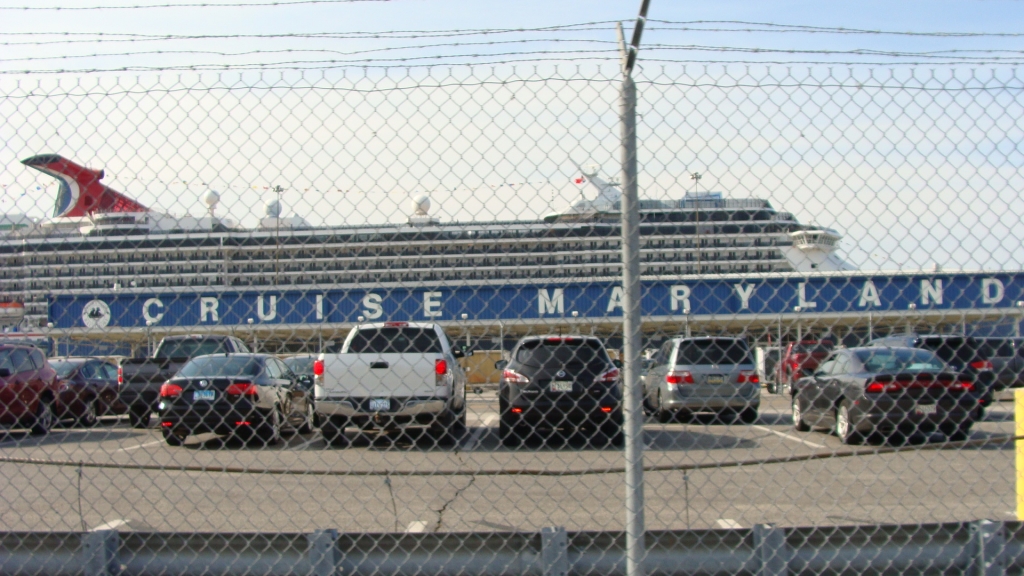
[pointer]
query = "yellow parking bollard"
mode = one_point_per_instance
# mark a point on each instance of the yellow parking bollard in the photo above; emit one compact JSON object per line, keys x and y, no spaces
{"x":1018,"y":418}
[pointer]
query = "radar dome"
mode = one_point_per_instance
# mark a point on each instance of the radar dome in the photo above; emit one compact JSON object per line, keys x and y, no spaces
{"x":273,"y":209}
{"x":421,"y":205}
{"x":211,"y":198}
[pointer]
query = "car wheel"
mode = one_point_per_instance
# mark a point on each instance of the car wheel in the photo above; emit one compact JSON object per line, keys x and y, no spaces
{"x":748,"y":415}
{"x":173,"y":438}
{"x":798,"y":417}
{"x":90,"y":417}
{"x":445,"y":429}
{"x":138,"y":418}
{"x":269,"y":432}
{"x":844,"y":427}
{"x":647,"y":406}
{"x":333,"y":432}
{"x":957,"y":433}
{"x":772,"y":387}
{"x":664,"y":416}
{"x":510,"y":437}
{"x":44,"y":419}
{"x":309,"y":421}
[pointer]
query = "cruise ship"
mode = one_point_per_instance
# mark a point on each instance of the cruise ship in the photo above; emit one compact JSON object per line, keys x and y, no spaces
{"x":99,"y":240}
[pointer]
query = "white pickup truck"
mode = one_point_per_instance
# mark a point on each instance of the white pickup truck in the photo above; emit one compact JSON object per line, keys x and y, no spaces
{"x":391,"y":375}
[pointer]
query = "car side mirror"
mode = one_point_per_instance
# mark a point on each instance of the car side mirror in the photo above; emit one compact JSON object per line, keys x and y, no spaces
{"x":458,"y":353}
{"x":5,"y":372}
{"x":306,"y":381}
{"x":500,"y":364}
{"x":618,"y":364}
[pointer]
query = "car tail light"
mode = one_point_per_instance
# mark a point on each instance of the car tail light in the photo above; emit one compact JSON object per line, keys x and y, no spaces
{"x":441,"y":367}
{"x":606,"y":409}
{"x":608,"y":376}
{"x":120,"y":376}
{"x":962,"y":385}
{"x":318,"y":367}
{"x":981,"y":365}
{"x":396,"y":324}
{"x":168,"y":390}
{"x":748,"y":376}
{"x":681,"y":377}
{"x":513,"y":377}
{"x":241,"y":389}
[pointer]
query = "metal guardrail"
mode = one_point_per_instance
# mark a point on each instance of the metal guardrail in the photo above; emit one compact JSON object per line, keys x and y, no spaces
{"x":983,"y":548}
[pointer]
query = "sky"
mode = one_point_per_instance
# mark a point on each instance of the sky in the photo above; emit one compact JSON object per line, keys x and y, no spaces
{"x":915,"y":157}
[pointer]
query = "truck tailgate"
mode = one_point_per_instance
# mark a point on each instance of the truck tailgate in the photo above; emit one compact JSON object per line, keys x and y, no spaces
{"x":371,"y":374}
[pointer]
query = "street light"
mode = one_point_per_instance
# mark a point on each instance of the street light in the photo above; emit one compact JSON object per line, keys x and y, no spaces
{"x":466,"y":327}
{"x":686,"y":321}
{"x":912,"y":306}
{"x":252,"y":332}
{"x":149,"y":337}
{"x":1016,"y":325}
{"x":799,"y":328}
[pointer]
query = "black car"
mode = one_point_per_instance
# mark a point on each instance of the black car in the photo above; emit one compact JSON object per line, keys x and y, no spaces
{"x":249,"y":395}
{"x":964,"y":354}
{"x":559,"y":383}
{"x":861,"y":392}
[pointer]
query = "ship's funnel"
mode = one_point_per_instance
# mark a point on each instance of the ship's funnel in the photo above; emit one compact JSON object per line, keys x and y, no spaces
{"x":80,"y":192}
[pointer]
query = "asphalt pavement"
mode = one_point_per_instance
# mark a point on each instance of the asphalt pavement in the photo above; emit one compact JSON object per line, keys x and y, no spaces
{"x":702,"y":475}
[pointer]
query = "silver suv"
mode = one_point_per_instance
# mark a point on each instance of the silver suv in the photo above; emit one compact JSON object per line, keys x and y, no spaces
{"x":704,"y":374}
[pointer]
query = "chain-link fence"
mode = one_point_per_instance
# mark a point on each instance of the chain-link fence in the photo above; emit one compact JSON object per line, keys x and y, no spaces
{"x":390,"y":302}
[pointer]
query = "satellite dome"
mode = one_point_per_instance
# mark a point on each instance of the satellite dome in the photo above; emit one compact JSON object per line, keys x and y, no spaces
{"x":273,"y":209}
{"x":211,"y":198}
{"x":421,"y":205}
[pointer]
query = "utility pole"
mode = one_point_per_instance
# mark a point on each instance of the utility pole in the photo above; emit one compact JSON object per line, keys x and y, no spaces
{"x":631,"y":317}
{"x":696,"y":227}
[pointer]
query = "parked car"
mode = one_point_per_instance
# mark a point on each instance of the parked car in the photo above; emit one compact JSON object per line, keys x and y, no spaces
{"x":800,"y":359}
{"x":140,"y":379}
{"x":964,"y":354}
{"x":249,"y":395}
{"x":1007,"y":358}
{"x":88,"y":389}
{"x":29,"y":389}
{"x":703,"y":374}
{"x":559,"y":383}
{"x":860,"y":392}
{"x":392,"y":375}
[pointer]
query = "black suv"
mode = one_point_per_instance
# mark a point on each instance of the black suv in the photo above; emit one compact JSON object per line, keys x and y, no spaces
{"x":560,"y":383}
{"x":964,"y":354}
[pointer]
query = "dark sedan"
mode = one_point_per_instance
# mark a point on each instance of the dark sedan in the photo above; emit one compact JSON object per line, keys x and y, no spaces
{"x":861,"y":392}
{"x":252,"y":396}
{"x":88,"y":389}
{"x":565,"y":383}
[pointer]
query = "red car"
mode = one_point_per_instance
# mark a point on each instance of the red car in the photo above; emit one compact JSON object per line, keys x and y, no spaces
{"x":800,"y":359}
{"x":88,"y":389}
{"x":29,"y":389}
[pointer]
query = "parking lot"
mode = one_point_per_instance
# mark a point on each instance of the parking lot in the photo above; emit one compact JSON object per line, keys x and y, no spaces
{"x":131,"y":480}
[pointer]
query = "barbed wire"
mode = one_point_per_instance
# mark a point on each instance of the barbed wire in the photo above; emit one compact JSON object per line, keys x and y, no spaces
{"x":273,"y":4}
{"x":800,"y":28}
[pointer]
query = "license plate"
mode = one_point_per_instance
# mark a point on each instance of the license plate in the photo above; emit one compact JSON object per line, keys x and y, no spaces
{"x":204,"y":395}
{"x":716,"y":379}
{"x":561,"y":386}
{"x":927,"y":408}
{"x":380,"y":404}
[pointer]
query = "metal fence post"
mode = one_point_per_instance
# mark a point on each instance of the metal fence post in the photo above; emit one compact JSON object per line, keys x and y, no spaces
{"x":988,"y":541}
{"x":554,"y":547}
{"x":631,"y":335}
{"x":770,"y":550}
{"x":100,"y":550}
{"x":322,"y":559}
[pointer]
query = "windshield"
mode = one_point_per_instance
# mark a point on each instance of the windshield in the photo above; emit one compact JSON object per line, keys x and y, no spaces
{"x":537,"y":353}
{"x":886,"y":360}
{"x":813,"y":347}
{"x":190,"y":348}
{"x":64,"y":368}
{"x":301,"y":366}
{"x":221,"y":366}
{"x":725,"y":351}
{"x":390,"y":340}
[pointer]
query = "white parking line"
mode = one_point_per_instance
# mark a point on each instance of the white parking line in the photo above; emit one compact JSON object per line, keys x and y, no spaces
{"x":486,"y":422}
{"x":788,"y":437}
{"x":130,"y":448}
{"x":727,"y":523}
{"x":416,"y":527}
{"x":110,"y":525}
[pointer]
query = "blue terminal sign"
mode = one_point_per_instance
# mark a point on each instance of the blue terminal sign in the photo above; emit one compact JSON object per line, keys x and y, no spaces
{"x":737,"y":296}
